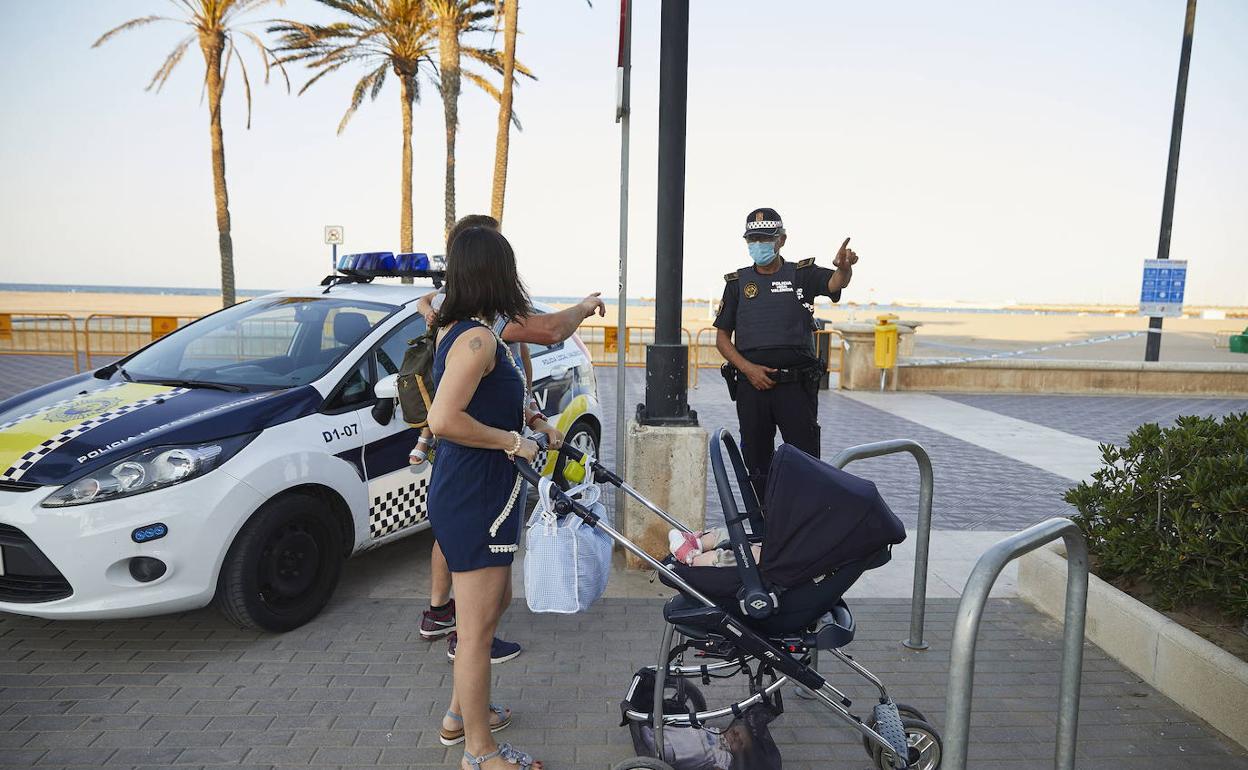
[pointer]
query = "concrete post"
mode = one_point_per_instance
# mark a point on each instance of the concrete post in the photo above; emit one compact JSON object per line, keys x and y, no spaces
{"x":667,"y":465}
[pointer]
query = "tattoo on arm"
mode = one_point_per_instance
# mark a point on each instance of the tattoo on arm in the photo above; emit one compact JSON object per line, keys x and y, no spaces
{"x":474,"y":344}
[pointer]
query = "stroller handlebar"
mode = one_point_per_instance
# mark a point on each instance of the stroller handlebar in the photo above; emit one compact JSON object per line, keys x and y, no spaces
{"x":525,"y":467}
{"x":530,"y":473}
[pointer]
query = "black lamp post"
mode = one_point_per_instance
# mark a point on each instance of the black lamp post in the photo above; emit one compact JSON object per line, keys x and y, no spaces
{"x":1152,"y":347}
{"x":667,"y":360}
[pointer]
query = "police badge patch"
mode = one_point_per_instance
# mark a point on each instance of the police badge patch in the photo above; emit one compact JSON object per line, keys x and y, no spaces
{"x":751,"y":290}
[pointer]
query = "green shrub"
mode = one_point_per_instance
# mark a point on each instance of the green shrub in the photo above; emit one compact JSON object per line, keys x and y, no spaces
{"x":1171,"y":509}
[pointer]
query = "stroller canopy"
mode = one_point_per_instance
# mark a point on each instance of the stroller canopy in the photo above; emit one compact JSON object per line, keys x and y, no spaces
{"x":820,"y":518}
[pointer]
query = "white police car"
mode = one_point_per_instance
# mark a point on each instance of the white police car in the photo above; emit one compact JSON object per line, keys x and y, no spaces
{"x":241,"y":459}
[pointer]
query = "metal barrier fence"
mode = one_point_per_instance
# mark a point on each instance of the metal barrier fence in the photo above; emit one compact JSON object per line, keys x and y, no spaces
{"x":918,"y":593}
{"x":116,"y":334}
{"x":923,"y":535}
{"x":966,"y":628}
{"x":39,"y":334}
{"x":602,"y":342}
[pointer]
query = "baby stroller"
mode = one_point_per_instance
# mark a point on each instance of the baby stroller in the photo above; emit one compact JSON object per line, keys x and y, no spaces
{"x":823,"y":528}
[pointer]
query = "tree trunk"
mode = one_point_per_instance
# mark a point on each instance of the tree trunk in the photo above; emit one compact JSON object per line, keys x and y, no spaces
{"x":511,"y":11}
{"x":407,"y":92}
{"x":448,"y":50}
{"x":212,"y":47}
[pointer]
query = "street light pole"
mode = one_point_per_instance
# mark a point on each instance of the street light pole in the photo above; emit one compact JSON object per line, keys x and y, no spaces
{"x":667,"y":360}
{"x":622,"y":115}
{"x":1152,"y":347}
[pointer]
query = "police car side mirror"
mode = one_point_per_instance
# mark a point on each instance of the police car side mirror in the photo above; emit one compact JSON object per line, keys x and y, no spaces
{"x":387,"y":387}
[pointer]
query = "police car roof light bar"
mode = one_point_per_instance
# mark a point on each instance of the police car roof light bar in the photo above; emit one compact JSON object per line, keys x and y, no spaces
{"x":364,"y":267}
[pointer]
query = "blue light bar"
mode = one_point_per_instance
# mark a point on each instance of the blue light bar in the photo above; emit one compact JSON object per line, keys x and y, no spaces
{"x":386,"y":264}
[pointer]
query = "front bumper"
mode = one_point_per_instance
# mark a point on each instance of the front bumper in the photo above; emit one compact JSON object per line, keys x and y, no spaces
{"x":74,"y":562}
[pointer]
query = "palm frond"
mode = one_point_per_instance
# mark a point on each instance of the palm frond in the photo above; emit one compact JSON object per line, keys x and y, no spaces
{"x":325,"y":71}
{"x":267,"y":54}
{"x":492,"y":90}
{"x":242,"y":67}
{"x":139,"y":22}
{"x":494,"y":60}
{"x":171,"y":61}
{"x":357,"y":96}
{"x":483,"y":84}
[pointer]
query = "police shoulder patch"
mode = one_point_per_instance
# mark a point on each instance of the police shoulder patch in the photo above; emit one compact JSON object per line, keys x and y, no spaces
{"x":805,"y":263}
{"x":730,"y":276}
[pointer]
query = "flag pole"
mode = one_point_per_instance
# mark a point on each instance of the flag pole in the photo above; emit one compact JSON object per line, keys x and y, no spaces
{"x":622,"y":109}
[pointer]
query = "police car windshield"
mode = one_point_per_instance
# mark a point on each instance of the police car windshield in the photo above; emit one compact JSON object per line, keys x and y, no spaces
{"x":278,"y":342}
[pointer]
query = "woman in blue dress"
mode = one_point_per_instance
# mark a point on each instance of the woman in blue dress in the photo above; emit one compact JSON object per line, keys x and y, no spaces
{"x":476,"y":494}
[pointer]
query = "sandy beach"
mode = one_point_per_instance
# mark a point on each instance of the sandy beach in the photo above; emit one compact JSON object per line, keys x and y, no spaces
{"x":940,"y":333}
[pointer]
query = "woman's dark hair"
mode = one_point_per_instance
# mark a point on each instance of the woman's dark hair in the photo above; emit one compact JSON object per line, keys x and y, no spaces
{"x":472,"y":220}
{"x":481,"y":279}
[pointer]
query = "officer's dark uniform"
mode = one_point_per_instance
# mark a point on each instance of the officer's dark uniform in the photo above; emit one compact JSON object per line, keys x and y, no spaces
{"x":771,"y":318}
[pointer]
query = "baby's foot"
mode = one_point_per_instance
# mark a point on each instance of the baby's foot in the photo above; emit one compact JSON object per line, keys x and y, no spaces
{"x":683,"y":545}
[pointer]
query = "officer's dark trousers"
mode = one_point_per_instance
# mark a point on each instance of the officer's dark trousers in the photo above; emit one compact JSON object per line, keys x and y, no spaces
{"x":790,"y":406}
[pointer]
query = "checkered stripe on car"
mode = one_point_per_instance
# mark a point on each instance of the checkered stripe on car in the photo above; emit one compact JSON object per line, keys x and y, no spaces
{"x":47,"y":446}
{"x":397,"y":509}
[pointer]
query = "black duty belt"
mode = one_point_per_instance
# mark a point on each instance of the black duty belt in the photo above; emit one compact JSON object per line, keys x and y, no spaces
{"x":800,"y":374}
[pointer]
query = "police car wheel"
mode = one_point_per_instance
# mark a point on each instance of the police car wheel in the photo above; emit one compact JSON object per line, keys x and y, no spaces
{"x":283,"y":566}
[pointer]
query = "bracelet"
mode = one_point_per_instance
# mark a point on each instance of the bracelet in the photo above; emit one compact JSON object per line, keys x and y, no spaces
{"x":534,"y":418}
{"x":511,"y":453}
{"x":422,"y":440}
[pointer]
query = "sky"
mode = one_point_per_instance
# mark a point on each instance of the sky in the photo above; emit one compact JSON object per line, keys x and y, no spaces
{"x":975,"y":151}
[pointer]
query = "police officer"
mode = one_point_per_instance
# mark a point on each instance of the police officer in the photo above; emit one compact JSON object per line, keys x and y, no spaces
{"x":766,"y":333}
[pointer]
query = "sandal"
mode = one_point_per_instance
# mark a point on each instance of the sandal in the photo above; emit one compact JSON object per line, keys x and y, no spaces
{"x":505,"y":751}
{"x":453,"y":737}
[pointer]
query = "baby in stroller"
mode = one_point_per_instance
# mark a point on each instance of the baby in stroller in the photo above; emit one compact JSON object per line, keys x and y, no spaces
{"x":709,"y":548}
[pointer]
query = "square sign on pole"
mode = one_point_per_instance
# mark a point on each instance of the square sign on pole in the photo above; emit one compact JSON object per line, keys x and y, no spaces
{"x":1161,"y":294}
{"x":334,"y":238}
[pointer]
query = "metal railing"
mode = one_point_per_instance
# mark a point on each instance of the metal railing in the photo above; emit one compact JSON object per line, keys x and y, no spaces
{"x":966,"y":628}
{"x":39,"y":334}
{"x":923,"y":535}
{"x":119,"y":334}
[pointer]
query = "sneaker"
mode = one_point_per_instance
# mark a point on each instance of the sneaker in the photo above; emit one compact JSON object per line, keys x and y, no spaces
{"x":500,"y":651}
{"x":435,"y":624}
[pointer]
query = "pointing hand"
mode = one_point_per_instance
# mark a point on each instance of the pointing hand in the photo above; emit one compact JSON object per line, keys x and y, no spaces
{"x":846,"y":257}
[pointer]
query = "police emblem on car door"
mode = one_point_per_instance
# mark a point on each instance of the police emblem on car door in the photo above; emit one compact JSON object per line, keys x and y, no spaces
{"x":397,"y":491}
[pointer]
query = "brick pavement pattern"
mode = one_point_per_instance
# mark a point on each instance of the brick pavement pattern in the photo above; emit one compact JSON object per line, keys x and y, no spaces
{"x":975,"y":487}
{"x":357,"y":687}
{"x":1107,"y":419}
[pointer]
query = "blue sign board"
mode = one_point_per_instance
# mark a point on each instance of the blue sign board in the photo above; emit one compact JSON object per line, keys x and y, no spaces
{"x":1161,"y":293}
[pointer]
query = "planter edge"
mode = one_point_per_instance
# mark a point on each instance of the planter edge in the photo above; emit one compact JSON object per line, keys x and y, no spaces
{"x":1195,"y":673}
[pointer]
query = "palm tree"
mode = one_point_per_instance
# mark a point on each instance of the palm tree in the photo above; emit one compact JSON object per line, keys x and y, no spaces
{"x":212,"y":24}
{"x":455,"y":19}
{"x":502,"y":145}
{"x":384,"y":35}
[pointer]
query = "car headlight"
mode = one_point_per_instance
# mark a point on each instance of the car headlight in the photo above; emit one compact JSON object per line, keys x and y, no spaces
{"x":153,"y":468}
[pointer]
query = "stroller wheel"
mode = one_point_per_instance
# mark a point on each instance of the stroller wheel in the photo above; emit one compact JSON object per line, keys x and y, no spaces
{"x":906,"y":711}
{"x":925,"y":747}
{"x":642,"y":763}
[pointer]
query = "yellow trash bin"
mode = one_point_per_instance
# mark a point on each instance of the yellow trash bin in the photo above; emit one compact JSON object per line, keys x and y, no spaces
{"x":885,"y":345}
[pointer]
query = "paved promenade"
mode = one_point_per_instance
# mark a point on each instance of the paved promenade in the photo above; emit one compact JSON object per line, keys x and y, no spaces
{"x":359,"y":688}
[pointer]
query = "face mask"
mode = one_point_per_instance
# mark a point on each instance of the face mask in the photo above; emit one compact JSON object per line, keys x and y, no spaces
{"x":761,"y":252}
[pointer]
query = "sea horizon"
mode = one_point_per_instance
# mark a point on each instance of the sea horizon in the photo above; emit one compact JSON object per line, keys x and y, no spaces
{"x":947,"y":306}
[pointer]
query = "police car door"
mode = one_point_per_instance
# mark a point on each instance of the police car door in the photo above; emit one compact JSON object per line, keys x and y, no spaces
{"x":397,"y":491}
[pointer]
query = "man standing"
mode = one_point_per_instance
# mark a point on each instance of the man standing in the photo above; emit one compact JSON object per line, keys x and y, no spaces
{"x":766,"y":333}
{"x":541,"y":329}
